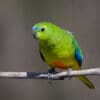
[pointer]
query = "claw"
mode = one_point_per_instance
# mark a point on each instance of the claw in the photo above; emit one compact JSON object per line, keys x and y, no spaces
{"x":69,"y":71}
{"x":50,"y":71}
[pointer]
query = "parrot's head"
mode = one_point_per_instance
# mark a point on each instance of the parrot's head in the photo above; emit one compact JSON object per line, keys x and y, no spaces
{"x":43,"y":30}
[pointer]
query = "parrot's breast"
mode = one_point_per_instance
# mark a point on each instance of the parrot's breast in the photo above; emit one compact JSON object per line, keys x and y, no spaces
{"x":59,"y":54}
{"x":59,"y":64}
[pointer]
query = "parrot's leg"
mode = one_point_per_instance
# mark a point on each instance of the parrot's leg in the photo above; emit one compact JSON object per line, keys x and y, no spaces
{"x":50,"y":71}
{"x":69,"y":71}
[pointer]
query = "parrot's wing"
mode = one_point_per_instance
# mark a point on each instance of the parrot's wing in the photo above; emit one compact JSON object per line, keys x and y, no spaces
{"x":78,"y":56}
{"x":78,"y":53}
{"x":42,"y":56}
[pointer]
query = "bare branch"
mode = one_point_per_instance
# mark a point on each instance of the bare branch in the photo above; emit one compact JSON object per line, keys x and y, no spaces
{"x":55,"y":76}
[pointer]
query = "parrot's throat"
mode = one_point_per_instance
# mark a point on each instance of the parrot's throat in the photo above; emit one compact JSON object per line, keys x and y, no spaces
{"x":46,"y":45}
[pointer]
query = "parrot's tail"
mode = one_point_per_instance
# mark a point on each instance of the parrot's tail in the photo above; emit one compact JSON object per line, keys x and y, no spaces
{"x":86,"y":81}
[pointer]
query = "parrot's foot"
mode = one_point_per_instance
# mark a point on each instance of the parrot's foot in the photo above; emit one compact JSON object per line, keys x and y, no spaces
{"x":50,"y":71}
{"x":69,"y":71}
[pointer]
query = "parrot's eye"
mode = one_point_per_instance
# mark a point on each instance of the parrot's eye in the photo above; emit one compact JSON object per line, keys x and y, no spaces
{"x":42,"y":29}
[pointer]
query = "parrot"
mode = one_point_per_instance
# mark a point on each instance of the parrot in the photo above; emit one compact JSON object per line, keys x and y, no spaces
{"x":59,"y":49}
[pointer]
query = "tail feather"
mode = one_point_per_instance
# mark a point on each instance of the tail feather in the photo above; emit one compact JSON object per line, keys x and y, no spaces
{"x":87,"y":82}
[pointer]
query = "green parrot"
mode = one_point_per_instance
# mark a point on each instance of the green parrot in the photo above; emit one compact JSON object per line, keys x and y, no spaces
{"x":59,"y":49}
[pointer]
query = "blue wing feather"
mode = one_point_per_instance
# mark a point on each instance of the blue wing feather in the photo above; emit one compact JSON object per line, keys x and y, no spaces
{"x":78,"y":56}
{"x":78,"y":53}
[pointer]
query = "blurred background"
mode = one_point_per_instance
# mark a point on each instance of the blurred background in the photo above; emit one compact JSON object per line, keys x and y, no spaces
{"x":19,"y":51}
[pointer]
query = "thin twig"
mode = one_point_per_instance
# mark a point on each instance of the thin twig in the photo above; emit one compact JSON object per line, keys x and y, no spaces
{"x":55,"y":76}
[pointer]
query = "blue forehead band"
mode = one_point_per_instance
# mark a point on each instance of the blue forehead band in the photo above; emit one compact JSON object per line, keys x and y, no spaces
{"x":34,"y":28}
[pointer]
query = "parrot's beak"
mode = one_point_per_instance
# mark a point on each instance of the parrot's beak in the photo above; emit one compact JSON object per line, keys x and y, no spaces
{"x":34,"y":35}
{"x":34,"y":29}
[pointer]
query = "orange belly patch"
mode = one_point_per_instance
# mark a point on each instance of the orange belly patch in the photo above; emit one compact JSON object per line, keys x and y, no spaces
{"x":59,"y":64}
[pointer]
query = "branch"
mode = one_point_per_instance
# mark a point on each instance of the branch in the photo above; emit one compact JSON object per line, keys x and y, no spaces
{"x":55,"y":76}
